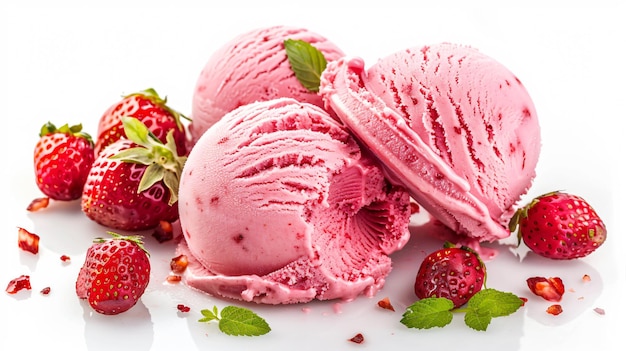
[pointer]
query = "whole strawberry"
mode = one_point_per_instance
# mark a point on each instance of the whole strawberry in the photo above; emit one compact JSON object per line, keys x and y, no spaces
{"x":148,"y":107}
{"x":456,"y":273}
{"x":62,"y":159}
{"x":115,"y":274}
{"x":560,"y":226}
{"x":133,"y":184}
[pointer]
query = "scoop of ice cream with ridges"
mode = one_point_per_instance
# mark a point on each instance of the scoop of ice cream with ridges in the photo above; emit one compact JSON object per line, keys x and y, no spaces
{"x":253,"y":66}
{"x":278,"y":204}
{"x":453,"y":125}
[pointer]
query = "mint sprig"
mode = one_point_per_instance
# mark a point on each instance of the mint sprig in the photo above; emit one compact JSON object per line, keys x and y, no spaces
{"x":307,"y":62}
{"x":479,"y":310}
{"x":236,"y":321}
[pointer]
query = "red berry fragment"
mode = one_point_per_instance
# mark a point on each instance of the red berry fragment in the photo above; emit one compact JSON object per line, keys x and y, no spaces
{"x":357,"y":339}
{"x":27,"y":241}
{"x":38,"y":204}
{"x":599,"y":311}
{"x":524,"y":300}
{"x":586,"y":278}
{"x":65,"y":258}
{"x":183,"y":308}
{"x":555,"y":309}
{"x":45,"y":291}
{"x":163,"y":232}
{"x":386,"y":304}
{"x":19,"y":283}
{"x":178,"y":264}
{"x":551,"y":289}
{"x":173,"y":278}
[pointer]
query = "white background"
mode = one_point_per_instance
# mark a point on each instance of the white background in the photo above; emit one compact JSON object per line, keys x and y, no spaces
{"x":69,"y":62}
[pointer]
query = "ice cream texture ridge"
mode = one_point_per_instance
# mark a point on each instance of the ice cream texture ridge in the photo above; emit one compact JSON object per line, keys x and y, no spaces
{"x":290,"y":195}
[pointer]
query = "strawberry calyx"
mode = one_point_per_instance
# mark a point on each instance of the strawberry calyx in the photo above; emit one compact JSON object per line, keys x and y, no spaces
{"x":162,"y":160}
{"x":155,"y":98}
{"x":136,"y":239}
{"x":74,"y":130}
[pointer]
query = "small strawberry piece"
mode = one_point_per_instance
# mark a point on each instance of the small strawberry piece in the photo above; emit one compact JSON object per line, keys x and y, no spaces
{"x":559,"y":226}
{"x":456,"y":273}
{"x":27,"y":241}
{"x":524,"y":300}
{"x":65,"y":258}
{"x":386,"y":304}
{"x":555,"y":309}
{"x":45,"y":291}
{"x":174,"y":278}
{"x":586,"y":278}
{"x":551,"y":289}
{"x":38,"y":204}
{"x":148,"y":107}
{"x":133,"y":184}
{"x":357,"y":339}
{"x":183,"y":308}
{"x":62,"y":159}
{"x":179,"y":263}
{"x":599,"y":311}
{"x":19,"y":283}
{"x":163,"y":232}
{"x":115,"y":274}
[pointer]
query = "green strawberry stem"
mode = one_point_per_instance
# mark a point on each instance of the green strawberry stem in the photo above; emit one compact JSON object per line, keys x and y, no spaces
{"x":75,"y":130}
{"x":162,"y":160}
{"x":136,"y":239}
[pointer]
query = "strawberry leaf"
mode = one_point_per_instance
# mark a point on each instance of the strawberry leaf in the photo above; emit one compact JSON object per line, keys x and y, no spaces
{"x":428,"y":313}
{"x":307,"y":63}
{"x":236,"y":321}
{"x":487,"y":304}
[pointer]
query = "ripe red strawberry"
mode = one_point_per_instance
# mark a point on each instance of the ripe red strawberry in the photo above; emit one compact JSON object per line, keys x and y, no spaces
{"x":456,"y":273}
{"x":133,"y":184}
{"x":148,"y":107}
{"x":115,"y":274}
{"x":62,"y":159}
{"x":560,"y":226}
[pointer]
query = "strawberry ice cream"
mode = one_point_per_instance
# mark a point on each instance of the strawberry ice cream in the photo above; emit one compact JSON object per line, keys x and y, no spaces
{"x":454,"y":126}
{"x":252,"y":67}
{"x":278,"y":204}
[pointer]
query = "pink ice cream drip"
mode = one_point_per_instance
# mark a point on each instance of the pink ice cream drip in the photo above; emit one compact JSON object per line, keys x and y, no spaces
{"x":279,"y":205}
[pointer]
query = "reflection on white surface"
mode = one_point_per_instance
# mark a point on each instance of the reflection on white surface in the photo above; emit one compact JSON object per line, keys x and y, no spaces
{"x":69,"y":65}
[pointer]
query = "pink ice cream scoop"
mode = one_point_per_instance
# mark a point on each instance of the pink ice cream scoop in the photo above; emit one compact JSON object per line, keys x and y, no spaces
{"x":252,"y":67}
{"x":454,"y":126}
{"x":278,"y":204}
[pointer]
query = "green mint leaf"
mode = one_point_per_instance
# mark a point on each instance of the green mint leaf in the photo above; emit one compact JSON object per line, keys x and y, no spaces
{"x":209,"y":315}
{"x":236,"y":321}
{"x":307,"y":62}
{"x":428,"y":313}
{"x":242,"y":321}
{"x":487,"y":304}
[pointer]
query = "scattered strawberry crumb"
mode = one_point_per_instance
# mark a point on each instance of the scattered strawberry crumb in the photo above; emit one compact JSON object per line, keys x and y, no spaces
{"x":45,"y":291}
{"x":183,"y":308}
{"x":163,"y":232}
{"x":19,"y":283}
{"x":65,"y":258}
{"x":357,"y":339}
{"x":555,"y":309}
{"x":27,"y":241}
{"x":178,"y":264}
{"x":386,"y":304}
{"x":580,"y":298}
{"x":174,"y":278}
{"x":524,"y":300}
{"x":38,"y":204}
{"x":586,"y":278}
{"x":599,"y":311}
{"x":415,"y":208}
